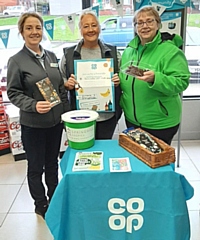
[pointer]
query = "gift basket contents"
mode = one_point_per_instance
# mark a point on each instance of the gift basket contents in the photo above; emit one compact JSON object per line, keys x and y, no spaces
{"x":133,"y":69}
{"x":149,"y":149}
{"x":144,"y":140}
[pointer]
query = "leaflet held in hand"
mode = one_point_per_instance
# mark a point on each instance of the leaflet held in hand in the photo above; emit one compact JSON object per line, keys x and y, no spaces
{"x":48,"y":91}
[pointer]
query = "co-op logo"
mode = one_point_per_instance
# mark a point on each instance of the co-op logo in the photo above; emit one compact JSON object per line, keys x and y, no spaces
{"x":15,"y":126}
{"x":134,"y":206}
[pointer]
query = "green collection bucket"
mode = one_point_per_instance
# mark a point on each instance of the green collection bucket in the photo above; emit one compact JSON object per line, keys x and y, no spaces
{"x":80,"y":128}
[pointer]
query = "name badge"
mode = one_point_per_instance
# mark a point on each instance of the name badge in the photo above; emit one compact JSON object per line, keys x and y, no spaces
{"x":54,"y":65}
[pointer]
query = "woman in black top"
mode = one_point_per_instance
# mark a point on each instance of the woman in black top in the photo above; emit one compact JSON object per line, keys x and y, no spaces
{"x":91,"y":47}
{"x":40,"y":120}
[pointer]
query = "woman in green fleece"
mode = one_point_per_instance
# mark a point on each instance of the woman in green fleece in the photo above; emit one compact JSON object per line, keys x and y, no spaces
{"x":152,"y":101}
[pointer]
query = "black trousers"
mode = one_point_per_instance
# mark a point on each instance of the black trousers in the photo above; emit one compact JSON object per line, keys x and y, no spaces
{"x":105,"y":129}
{"x":166,"y":134}
{"x":42,"y":147}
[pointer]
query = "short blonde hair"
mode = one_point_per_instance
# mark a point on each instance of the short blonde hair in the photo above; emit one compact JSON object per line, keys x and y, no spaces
{"x":23,"y":18}
{"x":88,"y":13}
{"x":147,"y":9}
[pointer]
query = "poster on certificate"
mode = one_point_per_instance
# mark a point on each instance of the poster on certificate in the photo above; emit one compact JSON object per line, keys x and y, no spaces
{"x":95,"y":90}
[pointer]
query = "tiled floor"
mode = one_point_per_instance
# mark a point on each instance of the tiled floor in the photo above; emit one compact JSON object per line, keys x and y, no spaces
{"x":19,"y":222}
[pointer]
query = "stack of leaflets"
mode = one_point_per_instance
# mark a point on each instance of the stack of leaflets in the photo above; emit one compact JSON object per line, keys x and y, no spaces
{"x":120,"y":164}
{"x":88,"y":161}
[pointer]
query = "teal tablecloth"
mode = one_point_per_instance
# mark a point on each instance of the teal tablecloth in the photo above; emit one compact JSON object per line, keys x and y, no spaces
{"x":145,"y":204}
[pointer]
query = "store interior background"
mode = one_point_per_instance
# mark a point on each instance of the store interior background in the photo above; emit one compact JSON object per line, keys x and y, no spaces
{"x":17,"y":218}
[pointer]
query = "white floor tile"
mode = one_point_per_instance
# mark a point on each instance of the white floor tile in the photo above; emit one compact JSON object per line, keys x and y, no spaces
{"x":194,"y":225}
{"x":7,"y":158}
{"x":182,"y":154}
{"x":25,"y":198}
{"x":8,"y":194}
{"x":2,"y":217}
{"x":196,"y":163}
{"x":192,"y":149}
{"x":13,"y":173}
{"x":194,"y":203}
{"x":24,"y":227}
{"x":25,"y":180}
{"x":188,"y":169}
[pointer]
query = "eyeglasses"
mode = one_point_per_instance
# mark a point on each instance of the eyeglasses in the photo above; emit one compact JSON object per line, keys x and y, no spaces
{"x":149,"y":23}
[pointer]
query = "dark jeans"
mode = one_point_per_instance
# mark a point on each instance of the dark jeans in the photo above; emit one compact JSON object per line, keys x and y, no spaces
{"x":42,"y":147}
{"x":166,"y":134}
{"x":105,"y":129}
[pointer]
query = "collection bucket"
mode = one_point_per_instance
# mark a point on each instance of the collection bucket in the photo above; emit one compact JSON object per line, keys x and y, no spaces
{"x":80,"y":128}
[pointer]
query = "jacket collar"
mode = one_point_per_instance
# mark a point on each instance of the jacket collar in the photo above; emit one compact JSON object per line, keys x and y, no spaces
{"x":32,"y":53}
{"x":104,"y":48}
{"x":134,"y":43}
{"x":175,"y":39}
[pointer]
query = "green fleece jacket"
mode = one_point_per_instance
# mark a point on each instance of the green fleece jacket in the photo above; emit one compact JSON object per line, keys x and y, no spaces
{"x":154,"y":105}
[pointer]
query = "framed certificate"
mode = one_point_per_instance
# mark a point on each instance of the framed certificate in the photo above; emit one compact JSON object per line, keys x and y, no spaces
{"x":95,"y":90}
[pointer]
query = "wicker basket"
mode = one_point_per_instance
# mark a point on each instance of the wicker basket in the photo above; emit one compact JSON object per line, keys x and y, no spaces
{"x":154,"y":160}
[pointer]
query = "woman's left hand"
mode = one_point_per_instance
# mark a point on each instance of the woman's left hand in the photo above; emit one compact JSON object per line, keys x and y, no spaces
{"x":43,"y":107}
{"x":148,"y":77}
{"x":116,"y":79}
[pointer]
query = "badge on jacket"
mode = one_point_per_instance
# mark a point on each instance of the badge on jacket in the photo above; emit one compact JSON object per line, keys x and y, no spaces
{"x":54,"y":65}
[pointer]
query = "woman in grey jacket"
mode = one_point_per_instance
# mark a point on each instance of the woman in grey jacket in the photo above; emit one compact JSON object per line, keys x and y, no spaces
{"x":90,"y":47}
{"x":40,"y":119}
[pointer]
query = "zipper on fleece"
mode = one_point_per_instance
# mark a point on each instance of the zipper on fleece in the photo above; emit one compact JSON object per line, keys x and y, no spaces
{"x":134,"y":111}
{"x":163,"y":108}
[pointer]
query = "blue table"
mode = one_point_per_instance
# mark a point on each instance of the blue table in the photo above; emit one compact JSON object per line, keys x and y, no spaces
{"x":144,"y":204}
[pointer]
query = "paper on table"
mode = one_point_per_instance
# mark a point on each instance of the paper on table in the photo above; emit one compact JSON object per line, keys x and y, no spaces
{"x":120,"y":164}
{"x":88,"y":161}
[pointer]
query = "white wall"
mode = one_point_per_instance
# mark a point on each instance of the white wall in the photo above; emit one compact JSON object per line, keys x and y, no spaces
{"x":190,"y":126}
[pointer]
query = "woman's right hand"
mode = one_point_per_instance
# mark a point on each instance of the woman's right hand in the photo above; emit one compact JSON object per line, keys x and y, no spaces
{"x":70,"y":84}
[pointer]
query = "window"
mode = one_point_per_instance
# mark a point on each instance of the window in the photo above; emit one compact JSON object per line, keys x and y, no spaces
{"x":110,"y":24}
{"x":115,"y":30}
{"x":192,"y":51}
